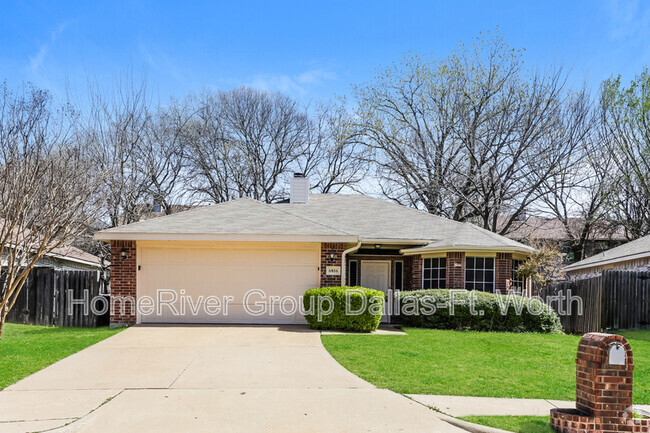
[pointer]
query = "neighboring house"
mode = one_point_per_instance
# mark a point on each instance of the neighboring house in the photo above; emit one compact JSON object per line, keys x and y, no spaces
{"x":65,"y":257}
{"x":70,"y":258}
{"x":632,"y":256}
{"x":601,"y":238}
{"x":284,"y":249}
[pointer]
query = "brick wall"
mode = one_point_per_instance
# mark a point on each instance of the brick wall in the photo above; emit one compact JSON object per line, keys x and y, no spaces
{"x":123,"y":282}
{"x":455,"y":270}
{"x":325,"y":249}
{"x":415,"y":268}
{"x":603,"y":391}
{"x":503,"y":272}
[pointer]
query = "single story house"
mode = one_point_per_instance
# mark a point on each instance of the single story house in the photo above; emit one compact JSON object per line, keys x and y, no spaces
{"x":632,"y":256}
{"x":69,"y":258}
{"x":263,"y":255}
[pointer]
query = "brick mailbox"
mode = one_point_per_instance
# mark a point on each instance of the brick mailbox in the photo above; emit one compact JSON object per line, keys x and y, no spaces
{"x":604,"y":368}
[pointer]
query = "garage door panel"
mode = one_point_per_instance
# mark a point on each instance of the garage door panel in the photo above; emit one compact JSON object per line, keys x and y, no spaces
{"x":198,"y":312}
{"x":279,"y":270}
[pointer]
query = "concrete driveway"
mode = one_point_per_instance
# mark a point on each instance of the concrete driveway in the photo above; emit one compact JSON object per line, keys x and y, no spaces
{"x":206,"y":379}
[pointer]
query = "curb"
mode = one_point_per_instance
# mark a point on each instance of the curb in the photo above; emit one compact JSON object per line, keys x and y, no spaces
{"x":470,"y":426}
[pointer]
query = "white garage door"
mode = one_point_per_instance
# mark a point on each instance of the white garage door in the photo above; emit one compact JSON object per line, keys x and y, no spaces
{"x":241,"y":282}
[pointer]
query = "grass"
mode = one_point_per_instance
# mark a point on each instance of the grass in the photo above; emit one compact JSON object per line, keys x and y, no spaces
{"x":517,"y":424}
{"x":26,"y":349}
{"x":428,"y":361}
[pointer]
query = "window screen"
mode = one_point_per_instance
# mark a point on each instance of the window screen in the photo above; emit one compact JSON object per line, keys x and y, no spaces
{"x":434,"y":273}
{"x":479,"y":273}
{"x":518,"y":283}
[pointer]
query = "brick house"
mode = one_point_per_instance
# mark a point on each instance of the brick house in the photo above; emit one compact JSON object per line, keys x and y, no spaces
{"x":264,"y":255}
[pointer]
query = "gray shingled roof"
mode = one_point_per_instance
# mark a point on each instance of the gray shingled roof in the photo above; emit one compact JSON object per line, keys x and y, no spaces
{"x":631,"y":250}
{"x":360,"y":216}
{"x":373,"y":218}
{"x":243,"y":216}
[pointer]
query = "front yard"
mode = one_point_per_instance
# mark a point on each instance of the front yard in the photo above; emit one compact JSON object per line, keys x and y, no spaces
{"x":516,"y":424}
{"x":428,"y":361}
{"x":25,"y":349}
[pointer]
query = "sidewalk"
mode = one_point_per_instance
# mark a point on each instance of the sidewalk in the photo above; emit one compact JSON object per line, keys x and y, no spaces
{"x":465,"y":406}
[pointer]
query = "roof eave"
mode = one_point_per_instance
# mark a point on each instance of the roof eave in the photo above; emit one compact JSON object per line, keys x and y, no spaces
{"x":577,"y":266}
{"x":74,"y":260}
{"x":394,"y":241}
{"x":437,"y":249}
{"x":223,"y":237}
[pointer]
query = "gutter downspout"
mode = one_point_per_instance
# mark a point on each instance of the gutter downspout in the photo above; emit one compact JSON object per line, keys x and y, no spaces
{"x":345,"y":253}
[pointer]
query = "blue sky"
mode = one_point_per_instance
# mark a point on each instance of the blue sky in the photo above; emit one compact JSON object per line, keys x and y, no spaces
{"x":312,"y":50}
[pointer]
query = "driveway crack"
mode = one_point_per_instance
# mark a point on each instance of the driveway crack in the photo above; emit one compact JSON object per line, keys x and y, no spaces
{"x":200,"y":352}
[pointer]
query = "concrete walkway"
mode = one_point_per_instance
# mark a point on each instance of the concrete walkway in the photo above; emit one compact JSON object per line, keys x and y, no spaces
{"x":205,"y":379}
{"x":465,"y":406}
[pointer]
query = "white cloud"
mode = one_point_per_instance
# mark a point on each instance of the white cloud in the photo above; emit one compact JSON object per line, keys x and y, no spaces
{"x":299,"y":83}
{"x":628,"y":19}
{"x":36,"y":61}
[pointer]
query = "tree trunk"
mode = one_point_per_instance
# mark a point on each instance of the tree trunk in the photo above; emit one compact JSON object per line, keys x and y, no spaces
{"x":3,"y":316}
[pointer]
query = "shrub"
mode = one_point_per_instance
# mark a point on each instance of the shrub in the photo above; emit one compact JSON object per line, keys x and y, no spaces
{"x":491,"y":312}
{"x":325,"y":308}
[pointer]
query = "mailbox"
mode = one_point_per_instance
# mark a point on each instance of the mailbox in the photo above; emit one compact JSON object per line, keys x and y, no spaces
{"x":616,"y":354}
{"x":604,"y":369}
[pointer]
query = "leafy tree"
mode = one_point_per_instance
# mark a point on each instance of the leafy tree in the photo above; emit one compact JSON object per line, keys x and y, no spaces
{"x":626,"y":133}
{"x":544,"y":265}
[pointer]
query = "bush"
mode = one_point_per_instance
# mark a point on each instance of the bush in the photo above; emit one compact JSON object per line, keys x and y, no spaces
{"x":321,"y":314}
{"x":506,"y":313}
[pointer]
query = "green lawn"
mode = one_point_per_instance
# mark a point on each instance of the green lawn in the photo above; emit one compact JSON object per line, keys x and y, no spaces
{"x":25,"y":349}
{"x":517,"y":424}
{"x":428,"y":361}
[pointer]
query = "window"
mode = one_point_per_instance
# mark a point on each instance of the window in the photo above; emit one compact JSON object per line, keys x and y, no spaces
{"x":479,"y":274}
{"x":353,"y":273}
{"x":399,"y":275}
{"x":434,"y":273}
{"x":518,"y":283}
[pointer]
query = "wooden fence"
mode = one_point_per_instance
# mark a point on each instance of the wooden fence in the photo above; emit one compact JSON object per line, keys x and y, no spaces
{"x":47,"y":293}
{"x":612,"y":300}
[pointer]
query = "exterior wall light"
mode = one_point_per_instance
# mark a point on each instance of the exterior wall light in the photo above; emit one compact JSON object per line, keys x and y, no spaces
{"x":123,"y":254}
{"x":377,"y":246}
{"x":332,"y":255}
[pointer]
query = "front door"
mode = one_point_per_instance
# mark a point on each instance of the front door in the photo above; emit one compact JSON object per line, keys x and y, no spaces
{"x":375,"y":274}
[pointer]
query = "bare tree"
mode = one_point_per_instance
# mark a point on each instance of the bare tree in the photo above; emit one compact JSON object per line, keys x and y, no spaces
{"x":407,"y":117}
{"x":43,"y":203}
{"x":161,"y":154}
{"x":333,"y":157}
{"x":577,"y":193}
{"x":245,"y":143}
{"x":116,"y":129}
{"x":472,"y":136}
{"x":212,"y":160}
